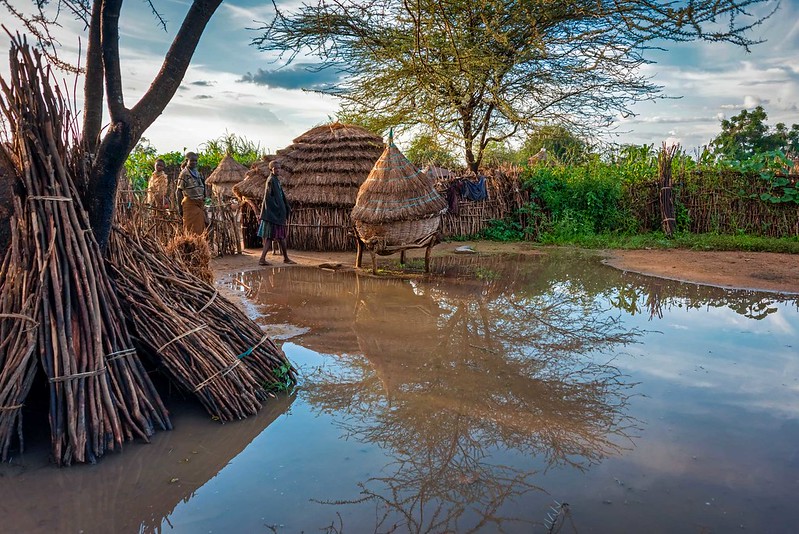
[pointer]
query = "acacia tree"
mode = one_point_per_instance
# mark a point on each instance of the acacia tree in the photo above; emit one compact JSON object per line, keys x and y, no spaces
{"x":108,"y":147}
{"x":479,"y":71}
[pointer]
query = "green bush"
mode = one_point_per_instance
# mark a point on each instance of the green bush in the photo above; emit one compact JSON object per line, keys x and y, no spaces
{"x":583,"y":200}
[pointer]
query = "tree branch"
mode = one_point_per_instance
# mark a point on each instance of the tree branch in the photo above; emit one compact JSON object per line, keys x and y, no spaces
{"x":109,"y":29}
{"x":93,"y":84}
{"x":177,"y":60}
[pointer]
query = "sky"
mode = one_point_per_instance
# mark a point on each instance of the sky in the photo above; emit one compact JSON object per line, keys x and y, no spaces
{"x":232,"y":88}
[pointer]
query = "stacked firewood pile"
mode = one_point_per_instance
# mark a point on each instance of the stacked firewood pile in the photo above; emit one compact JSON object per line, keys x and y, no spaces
{"x":61,"y":314}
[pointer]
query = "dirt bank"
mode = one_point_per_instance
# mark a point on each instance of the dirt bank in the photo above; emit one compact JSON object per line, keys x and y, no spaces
{"x":747,"y":270}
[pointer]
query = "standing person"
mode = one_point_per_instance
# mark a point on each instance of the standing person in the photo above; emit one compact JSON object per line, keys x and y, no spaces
{"x":190,"y":195}
{"x":275,"y":211}
{"x":157,"y":187}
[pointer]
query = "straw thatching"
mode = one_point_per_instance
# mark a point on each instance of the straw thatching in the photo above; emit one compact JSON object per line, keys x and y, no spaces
{"x":228,"y":173}
{"x":323,"y":169}
{"x":397,"y":207}
{"x":192,"y":251}
{"x":326,"y":165}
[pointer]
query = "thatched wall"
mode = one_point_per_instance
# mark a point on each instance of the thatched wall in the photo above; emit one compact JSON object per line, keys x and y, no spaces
{"x":320,"y":228}
{"x":472,"y":217}
{"x":505,"y":196}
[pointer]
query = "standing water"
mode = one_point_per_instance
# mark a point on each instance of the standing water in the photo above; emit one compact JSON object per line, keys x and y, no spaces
{"x":502,"y":394}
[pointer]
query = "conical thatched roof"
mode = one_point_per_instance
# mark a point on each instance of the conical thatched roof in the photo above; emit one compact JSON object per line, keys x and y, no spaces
{"x":252,"y":186}
{"x":396,"y":191}
{"x":229,"y":171}
{"x":326,"y":165}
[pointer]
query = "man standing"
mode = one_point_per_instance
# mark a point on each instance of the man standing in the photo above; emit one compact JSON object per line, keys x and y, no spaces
{"x":190,"y":194}
{"x":275,"y":212}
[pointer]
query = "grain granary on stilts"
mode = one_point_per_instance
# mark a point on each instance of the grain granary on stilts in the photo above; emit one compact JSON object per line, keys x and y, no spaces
{"x":397,"y":208}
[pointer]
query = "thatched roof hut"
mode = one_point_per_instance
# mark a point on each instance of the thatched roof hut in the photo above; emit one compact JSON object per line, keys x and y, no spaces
{"x":326,"y":165}
{"x":322,"y":171}
{"x":228,"y":173}
{"x":398,"y":206}
{"x":251,"y":187}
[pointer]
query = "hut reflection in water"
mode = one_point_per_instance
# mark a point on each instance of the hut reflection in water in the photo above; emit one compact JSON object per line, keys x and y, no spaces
{"x":443,"y":381}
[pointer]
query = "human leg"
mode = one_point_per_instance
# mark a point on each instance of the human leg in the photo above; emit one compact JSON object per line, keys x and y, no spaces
{"x":266,"y":246}
{"x":282,"y":244}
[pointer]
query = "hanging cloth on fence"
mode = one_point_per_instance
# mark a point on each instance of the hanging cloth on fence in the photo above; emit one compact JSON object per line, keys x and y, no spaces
{"x":475,"y":190}
{"x":454,"y":196}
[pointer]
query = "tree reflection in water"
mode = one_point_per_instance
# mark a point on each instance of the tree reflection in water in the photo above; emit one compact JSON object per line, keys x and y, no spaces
{"x":454,"y":375}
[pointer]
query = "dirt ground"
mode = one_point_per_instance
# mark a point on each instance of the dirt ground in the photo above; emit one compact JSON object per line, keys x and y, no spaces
{"x":746,"y":270}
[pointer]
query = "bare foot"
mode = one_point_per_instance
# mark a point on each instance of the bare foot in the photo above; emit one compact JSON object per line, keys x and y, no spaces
{"x":263,"y":262}
{"x":289,"y":262}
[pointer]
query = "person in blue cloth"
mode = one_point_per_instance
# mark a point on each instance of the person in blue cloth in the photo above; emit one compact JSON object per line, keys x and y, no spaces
{"x":275,"y":211}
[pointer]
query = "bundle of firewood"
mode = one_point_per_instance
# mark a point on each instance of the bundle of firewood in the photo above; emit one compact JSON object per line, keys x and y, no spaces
{"x":57,"y":299}
{"x":202,"y":341}
{"x":63,"y":316}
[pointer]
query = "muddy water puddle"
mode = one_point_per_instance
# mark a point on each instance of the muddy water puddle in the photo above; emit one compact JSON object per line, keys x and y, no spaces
{"x":502,"y":394}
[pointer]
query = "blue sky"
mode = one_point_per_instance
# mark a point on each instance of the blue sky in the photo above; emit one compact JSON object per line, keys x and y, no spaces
{"x":233,"y":88}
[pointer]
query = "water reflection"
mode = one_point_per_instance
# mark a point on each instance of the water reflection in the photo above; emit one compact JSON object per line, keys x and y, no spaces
{"x":447,"y":381}
{"x":655,"y":296}
{"x":134,"y":491}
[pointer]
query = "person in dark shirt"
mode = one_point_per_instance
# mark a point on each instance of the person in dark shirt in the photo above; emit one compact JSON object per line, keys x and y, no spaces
{"x":275,"y":211}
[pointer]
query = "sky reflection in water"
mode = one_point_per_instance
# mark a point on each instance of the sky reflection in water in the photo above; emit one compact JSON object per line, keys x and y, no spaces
{"x":478,"y":399}
{"x":483,"y":397}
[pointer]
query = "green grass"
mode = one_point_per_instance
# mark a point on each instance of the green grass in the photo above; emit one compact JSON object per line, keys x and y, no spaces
{"x":658,"y":240}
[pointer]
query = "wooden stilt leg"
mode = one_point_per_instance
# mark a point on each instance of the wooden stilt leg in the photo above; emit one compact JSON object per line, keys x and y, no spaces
{"x":374,"y":261}
{"x":427,"y":258}
{"x":402,"y":257}
{"x":359,"y":255}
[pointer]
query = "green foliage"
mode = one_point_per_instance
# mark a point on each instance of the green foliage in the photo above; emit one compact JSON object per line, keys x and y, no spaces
{"x":583,"y":199}
{"x":141,"y":161}
{"x":140,"y":164}
{"x":425,"y":149}
{"x":240,"y":148}
{"x":502,"y":230}
{"x":746,"y":135}
{"x":771,"y":167}
{"x":658,"y":240}
{"x":560,"y":143}
{"x":283,"y":381}
{"x":498,"y":153}
{"x":486,"y":274}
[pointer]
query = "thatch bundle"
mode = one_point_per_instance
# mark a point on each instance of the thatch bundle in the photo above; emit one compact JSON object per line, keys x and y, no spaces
{"x":192,"y":251}
{"x":228,"y":173}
